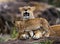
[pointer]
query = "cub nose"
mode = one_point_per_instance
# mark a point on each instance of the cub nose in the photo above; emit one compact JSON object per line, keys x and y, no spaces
{"x":25,"y":9}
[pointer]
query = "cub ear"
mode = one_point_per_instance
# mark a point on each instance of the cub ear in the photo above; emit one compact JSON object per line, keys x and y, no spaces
{"x":33,"y":8}
{"x":21,"y":8}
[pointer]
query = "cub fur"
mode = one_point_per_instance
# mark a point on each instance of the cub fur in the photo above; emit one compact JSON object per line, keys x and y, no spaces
{"x":33,"y":24}
{"x":29,"y":23}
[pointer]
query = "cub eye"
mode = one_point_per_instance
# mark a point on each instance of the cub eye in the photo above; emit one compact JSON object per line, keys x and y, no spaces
{"x":23,"y":9}
{"x":29,"y":8}
{"x":41,"y":27}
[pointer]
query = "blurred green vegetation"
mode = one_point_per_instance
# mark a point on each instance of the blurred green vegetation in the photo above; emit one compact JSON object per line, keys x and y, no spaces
{"x":14,"y":33}
{"x":1,"y":39}
{"x":53,"y":2}
{"x":45,"y":42}
{"x":9,"y":37}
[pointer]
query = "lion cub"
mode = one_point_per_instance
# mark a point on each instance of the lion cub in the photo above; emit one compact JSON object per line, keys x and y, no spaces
{"x":31,"y":27}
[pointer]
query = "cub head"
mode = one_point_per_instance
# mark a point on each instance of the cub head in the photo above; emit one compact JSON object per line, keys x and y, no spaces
{"x":27,"y":12}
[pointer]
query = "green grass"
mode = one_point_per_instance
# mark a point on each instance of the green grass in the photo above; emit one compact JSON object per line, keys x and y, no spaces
{"x":1,"y":39}
{"x":8,"y":37}
{"x":14,"y":33}
{"x":46,"y":42}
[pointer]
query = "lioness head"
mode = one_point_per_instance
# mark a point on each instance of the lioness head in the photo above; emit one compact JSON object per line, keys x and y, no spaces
{"x":27,"y":12}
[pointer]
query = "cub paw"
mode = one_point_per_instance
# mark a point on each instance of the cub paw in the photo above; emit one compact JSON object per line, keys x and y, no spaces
{"x":37,"y":36}
{"x":24,"y":37}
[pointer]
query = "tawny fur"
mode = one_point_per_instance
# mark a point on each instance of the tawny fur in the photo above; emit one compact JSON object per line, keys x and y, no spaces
{"x":56,"y":30}
{"x":40,"y":6}
{"x":29,"y":9}
{"x":29,"y":23}
{"x":32,"y":24}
